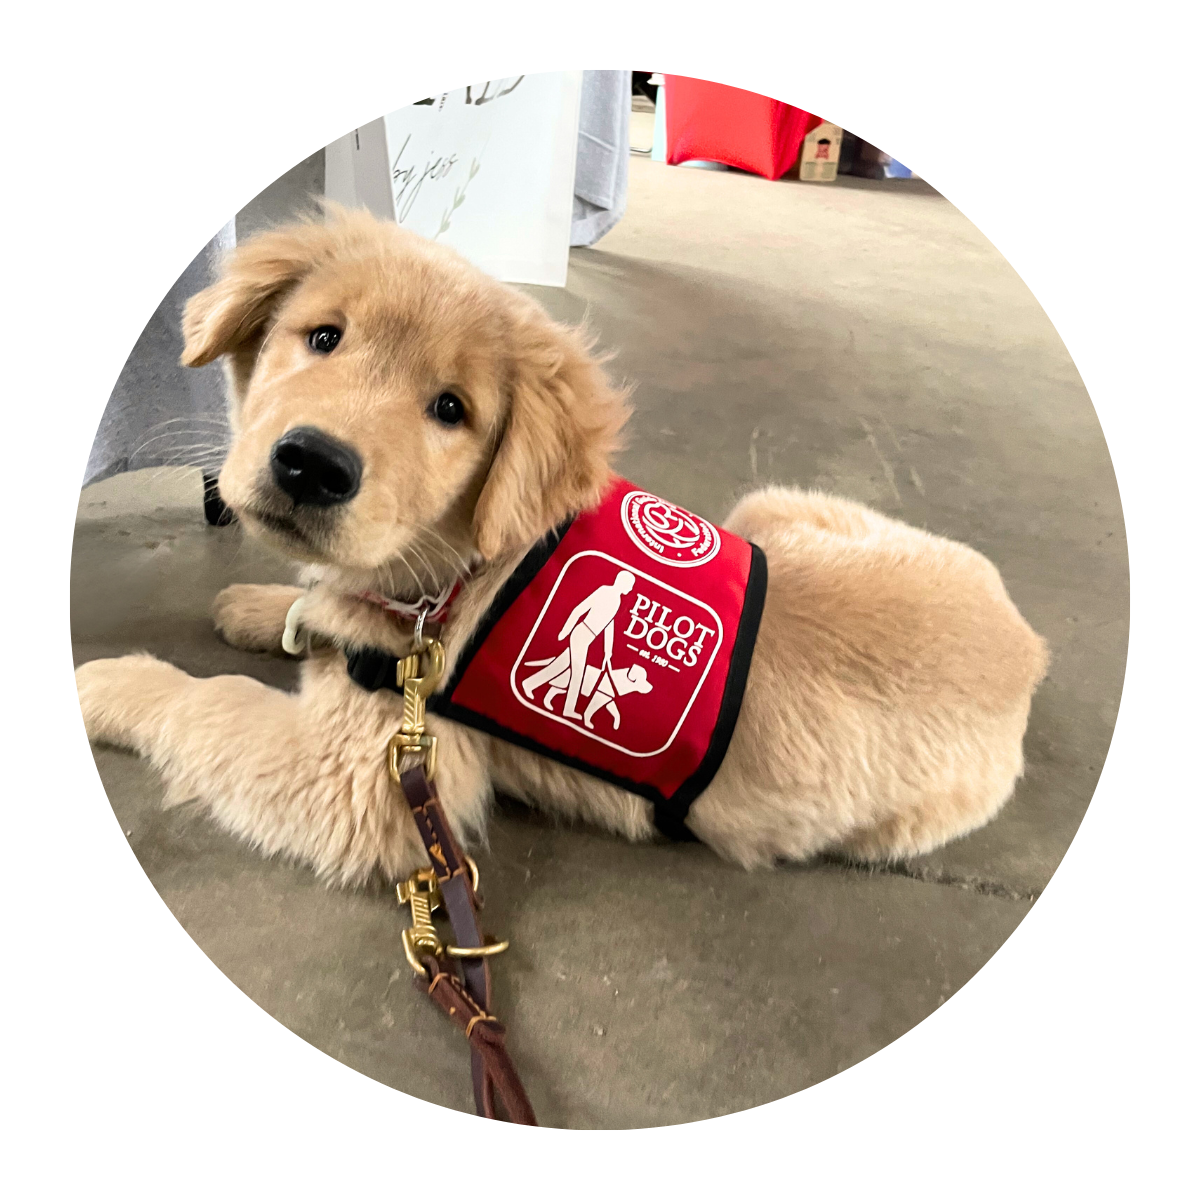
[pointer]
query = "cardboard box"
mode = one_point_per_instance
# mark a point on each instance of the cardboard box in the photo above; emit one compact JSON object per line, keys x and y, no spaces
{"x":819,"y":153}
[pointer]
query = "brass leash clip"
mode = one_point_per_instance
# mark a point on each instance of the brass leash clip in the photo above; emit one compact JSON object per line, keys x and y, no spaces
{"x":412,"y":738}
{"x":421,"y":893}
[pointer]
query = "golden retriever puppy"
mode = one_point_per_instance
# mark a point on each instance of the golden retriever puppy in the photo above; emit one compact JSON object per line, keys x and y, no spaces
{"x":884,"y":708}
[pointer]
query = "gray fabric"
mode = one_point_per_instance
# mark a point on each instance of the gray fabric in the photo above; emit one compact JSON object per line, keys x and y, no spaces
{"x":160,"y":413}
{"x":602,"y":165}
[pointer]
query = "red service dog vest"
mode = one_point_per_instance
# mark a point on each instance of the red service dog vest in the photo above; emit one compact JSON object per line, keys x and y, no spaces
{"x":620,"y":646}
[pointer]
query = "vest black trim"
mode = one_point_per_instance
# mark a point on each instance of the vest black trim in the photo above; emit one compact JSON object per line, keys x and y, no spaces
{"x":374,"y":669}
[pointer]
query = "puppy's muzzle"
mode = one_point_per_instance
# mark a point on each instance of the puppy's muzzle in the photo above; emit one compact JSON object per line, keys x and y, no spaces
{"x":315,"y":469}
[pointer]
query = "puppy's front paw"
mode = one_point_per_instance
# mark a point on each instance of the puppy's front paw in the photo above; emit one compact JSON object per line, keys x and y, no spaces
{"x":251,"y":616}
{"x":121,"y":698}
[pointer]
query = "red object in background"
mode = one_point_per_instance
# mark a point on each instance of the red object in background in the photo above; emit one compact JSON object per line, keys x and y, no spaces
{"x":717,"y":123}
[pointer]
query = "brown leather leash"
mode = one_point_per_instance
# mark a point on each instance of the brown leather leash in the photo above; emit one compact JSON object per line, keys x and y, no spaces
{"x":456,"y":977}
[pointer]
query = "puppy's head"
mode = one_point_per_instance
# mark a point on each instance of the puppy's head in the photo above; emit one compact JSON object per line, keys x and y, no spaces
{"x":392,"y":404}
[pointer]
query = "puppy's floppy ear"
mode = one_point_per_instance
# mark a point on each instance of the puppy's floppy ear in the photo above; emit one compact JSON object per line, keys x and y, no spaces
{"x":234,"y":311}
{"x":563,"y":425}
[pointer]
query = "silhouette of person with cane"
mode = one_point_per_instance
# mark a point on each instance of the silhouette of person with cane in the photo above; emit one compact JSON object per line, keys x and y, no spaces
{"x":590,"y":619}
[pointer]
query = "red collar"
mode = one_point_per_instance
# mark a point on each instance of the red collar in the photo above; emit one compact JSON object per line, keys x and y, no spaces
{"x":433,"y":608}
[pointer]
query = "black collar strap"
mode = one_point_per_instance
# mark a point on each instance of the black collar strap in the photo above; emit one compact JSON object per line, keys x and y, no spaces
{"x":373,"y":669}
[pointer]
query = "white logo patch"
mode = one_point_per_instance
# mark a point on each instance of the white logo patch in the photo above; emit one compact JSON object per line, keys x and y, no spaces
{"x":667,"y":533}
{"x":611,"y":638}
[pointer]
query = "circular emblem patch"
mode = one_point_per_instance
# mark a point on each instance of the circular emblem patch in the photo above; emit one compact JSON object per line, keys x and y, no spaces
{"x":667,"y":533}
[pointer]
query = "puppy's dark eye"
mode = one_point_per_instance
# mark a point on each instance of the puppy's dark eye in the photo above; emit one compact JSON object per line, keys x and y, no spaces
{"x":448,"y":409}
{"x":324,"y":338}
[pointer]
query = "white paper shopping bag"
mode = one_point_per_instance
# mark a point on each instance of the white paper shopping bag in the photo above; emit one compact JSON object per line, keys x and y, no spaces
{"x":488,"y":169}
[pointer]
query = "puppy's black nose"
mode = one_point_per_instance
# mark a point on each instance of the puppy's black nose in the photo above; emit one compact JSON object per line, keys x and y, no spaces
{"x":314,"y":468}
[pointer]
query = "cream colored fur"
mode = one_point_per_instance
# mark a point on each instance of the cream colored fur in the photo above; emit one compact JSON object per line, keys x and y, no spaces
{"x":885,"y":718}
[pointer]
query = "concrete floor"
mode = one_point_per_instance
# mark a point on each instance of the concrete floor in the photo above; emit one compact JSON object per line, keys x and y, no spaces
{"x":860,"y":337}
